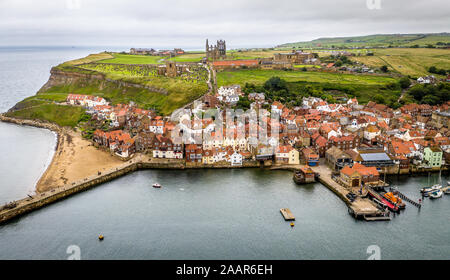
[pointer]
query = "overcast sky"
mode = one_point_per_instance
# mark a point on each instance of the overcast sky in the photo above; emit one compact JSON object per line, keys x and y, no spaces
{"x":187,"y":23}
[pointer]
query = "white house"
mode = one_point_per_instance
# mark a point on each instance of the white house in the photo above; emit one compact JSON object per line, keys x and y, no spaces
{"x":236,"y":159}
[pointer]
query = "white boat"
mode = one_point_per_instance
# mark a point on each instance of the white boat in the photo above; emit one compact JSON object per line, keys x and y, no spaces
{"x":436,"y":194}
{"x":446,"y":189}
{"x":156,"y":185}
{"x":428,"y":190}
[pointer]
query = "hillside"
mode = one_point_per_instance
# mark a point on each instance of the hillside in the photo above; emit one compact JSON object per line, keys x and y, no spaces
{"x":379,"y":40}
{"x":123,"y":78}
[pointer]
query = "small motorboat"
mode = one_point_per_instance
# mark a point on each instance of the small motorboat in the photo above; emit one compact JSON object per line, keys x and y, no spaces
{"x":156,"y":185}
{"x":101,"y":237}
{"x":446,"y":190}
{"x":436,"y":194}
{"x":428,"y":190}
{"x":292,"y":224}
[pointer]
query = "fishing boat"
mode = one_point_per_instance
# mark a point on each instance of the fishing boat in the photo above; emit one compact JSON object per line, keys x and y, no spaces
{"x":436,"y":194}
{"x":156,"y":185}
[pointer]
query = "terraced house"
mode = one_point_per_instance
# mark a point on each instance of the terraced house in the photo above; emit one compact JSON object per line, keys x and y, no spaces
{"x":433,"y":156}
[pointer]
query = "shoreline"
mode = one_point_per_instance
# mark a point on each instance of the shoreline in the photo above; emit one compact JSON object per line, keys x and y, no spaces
{"x":70,"y":172}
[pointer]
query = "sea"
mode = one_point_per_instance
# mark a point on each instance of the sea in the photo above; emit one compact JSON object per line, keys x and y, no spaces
{"x":197,"y":214}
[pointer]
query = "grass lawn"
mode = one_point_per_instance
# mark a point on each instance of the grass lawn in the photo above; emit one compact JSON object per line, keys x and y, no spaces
{"x":134,"y":59}
{"x":260,"y":76}
{"x":306,"y":66}
{"x":408,"y":61}
{"x":189,"y":57}
{"x":60,"y":114}
{"x":88,"y":59}
{"x":364,"y":87}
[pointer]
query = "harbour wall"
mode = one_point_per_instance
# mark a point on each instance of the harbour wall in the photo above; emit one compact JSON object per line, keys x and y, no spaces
{"x":40,"y":200}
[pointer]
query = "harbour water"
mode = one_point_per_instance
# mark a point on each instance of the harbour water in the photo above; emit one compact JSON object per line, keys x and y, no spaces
{"x":198,"y":214}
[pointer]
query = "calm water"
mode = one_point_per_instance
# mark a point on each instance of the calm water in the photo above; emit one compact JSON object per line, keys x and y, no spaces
{"x":26,"y":151}
{"x":198,"y":214}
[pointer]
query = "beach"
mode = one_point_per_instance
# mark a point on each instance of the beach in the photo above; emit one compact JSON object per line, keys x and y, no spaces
{"x":75,"y":159}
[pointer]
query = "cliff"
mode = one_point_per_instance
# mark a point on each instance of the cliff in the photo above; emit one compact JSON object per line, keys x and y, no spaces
{"x":86,"y":78}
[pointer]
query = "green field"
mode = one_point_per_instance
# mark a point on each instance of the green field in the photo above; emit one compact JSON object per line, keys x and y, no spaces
{"x":306,"y":66}
{"x":59,"y":114}
{"x":381,"y":40}
{"x":119,"y":58}
{"x":260,"y":76}
{"x":365,"y":87}
{"x":189,"y":57}
{"x":414,"y":62}
{"x":134,"y":59}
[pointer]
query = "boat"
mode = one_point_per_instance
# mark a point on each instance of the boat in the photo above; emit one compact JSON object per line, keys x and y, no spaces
{"x":436,"y":194}
{"x":156,"y":185}
{"x":101,"y":237}
{"x":391,"y":197}
{"x":446,"y":190}
{"x":428,"y":190}
{"x":292,"y":224}
{"x":379,"y":198}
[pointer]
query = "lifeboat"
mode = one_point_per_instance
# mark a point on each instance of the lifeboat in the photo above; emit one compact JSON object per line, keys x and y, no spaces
{"x":395,"y":200}
{"x":156,"y":185}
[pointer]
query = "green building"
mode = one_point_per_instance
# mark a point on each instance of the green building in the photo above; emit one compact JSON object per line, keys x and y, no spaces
{"x":433,"y":156}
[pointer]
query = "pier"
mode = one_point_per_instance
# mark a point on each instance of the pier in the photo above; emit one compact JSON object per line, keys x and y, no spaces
{"x":287,"y":214}
{"x":360,"y":208}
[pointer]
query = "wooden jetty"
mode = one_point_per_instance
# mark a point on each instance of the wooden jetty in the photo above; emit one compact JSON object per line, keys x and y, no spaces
{"x":404,"y":197}
{"x":287,"y":214}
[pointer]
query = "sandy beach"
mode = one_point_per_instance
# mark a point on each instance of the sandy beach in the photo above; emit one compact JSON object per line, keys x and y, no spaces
{"x":75,"y":159}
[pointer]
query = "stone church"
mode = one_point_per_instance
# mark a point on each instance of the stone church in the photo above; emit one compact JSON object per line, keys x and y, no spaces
{"x":219,"y":51}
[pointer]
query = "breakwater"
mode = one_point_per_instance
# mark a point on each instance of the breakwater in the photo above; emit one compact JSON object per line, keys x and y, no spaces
{"x":26,"y":205}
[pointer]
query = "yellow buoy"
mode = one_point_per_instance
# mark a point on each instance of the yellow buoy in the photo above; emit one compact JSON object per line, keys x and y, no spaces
{"x":292,"y":224}
{"x":100,"y":237}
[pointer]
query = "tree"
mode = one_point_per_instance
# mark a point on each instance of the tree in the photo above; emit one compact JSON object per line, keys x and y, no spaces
{"x":379,"y":99}
{"x":275,"y":84}
{"x":384,"y":69}
{"x":404,"y":82}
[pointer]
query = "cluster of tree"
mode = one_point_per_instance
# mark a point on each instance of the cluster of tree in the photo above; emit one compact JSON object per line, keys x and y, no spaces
{"x":384,"y":69}
{"x":431,"y":94}
{"x":340,"y":60}
{"x":277,"y":89}
{"x":438,"y":71}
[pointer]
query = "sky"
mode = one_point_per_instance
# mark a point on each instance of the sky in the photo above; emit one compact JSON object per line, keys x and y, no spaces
{"x":187,"y":23}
